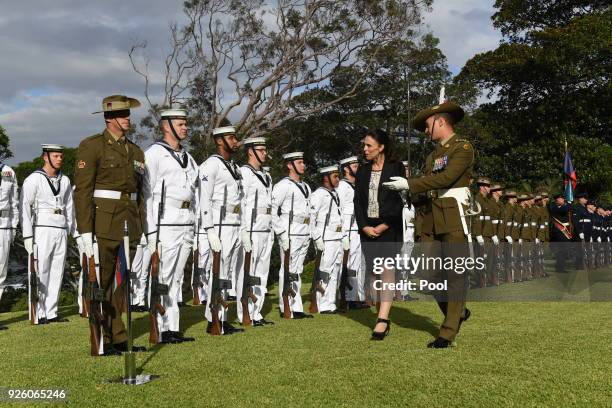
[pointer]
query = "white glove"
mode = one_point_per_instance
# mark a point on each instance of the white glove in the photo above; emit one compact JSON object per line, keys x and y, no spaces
{"x":537,"y":241}
{"x":520,"y":240}
{"x":152,"y":244}
{"x":509,"y":238}
{"x":397,"y":184}
{"x":283,"y":240}
{"x":246,"y":241}
{"x":213,"y":240}
{"x":87,"y":238}
{"x":319,"y":244}
{"x":495,"y":239}
{"x":480,"y":239}
{"x":28,"y":244}
{"x":581,"y":235}
{"x":598,"y":239}
{"x":346,"y":244}
{"x":80,"y":244}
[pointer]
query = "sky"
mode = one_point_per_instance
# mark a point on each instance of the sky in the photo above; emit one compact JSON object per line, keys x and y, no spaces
{"x":58,"y":62}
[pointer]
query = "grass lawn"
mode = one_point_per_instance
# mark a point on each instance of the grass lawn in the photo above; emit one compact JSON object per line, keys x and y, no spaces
{"x":507,"y":354}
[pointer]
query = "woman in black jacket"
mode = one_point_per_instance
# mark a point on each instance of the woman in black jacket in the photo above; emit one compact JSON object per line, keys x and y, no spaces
{"x":378,"y":212}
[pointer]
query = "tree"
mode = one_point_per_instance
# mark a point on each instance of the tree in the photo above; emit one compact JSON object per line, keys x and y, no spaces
{"x":5,"y":152}
{"x":255,"y":57}
{"x":548,"y":82}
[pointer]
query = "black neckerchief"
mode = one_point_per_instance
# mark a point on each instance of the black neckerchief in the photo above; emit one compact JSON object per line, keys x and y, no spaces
{"x":334,"y":197}
{"x":303,"y":190}
{"x":182,"y":162}
{"x":59,"y":181}
{"x":349,"y":183}
{"x":231,"y":167}
{"x":265,"y":179}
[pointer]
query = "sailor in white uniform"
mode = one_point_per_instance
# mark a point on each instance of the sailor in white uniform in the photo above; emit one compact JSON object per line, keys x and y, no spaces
{"x":9,"y":219}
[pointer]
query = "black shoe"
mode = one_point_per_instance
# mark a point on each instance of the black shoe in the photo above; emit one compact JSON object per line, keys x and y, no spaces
{"x":329,"y":312}
{"x":231,"y":298}
{"x":381,"y":335}
{"x":264,"y":321}
{"x":357,"y":305}
{"x":466,"y":317}
{"x":3,"y":327}
{"x":179,"y":335}
{"x":109,"y":350}
{"x":408,"y":298}
{"x":302,"y":315}
{"x":167,"y":337}
{"x":440,"y":343}
{"x":257,"y":323}
{"x":58,"y":320}
{"x":228,"y":328}
{"x":43,"y":320}
{"x":139,"y":308}
{"x":123,"y":347}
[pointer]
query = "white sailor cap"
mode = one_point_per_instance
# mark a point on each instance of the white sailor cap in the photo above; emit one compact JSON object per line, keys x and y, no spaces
{"x":349,"y":160}
{"x":328,"y":169}
{"x":293,"y":156}
{"x":405,"y":163}
{"x":173,"y":114}
{"x":225,"y":130}
{"x":254,"y":141}
{"x":49,"y":147}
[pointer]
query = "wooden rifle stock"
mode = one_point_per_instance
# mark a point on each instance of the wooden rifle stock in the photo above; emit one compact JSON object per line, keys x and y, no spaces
{"x":84,"y":278}
{"x":246,"y":294}
{"x":156,"y":306}
{"x":287,"y":289}
{"x":342,"y":305}
{"x":196,"y":279}
{"x":95,"y":316}
{"x":315,"y":286}
{"x":32,"y":276}
{"x":215,"y":299}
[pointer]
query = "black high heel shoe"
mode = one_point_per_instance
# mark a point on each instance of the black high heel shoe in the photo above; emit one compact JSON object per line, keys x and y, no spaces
{"x":381,"y":335}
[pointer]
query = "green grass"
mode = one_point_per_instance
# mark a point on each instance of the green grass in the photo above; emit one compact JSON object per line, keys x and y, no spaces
{"x":507,"y":354}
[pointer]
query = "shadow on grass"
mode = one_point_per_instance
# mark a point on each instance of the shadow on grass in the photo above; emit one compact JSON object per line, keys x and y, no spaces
{"x":63,"y":311}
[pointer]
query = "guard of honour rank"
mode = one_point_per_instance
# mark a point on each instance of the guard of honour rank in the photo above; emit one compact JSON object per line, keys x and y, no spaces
{"x":162,"y":208}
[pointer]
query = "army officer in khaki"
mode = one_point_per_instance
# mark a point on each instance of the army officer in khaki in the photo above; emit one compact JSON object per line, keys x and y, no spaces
{"x":446,"y":178}
{"x":108,"y":175}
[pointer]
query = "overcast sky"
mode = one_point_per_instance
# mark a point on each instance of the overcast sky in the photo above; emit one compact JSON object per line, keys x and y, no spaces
{"x":60,"y":59}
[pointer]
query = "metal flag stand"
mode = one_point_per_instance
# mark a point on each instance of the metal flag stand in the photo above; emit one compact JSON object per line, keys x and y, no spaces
{"x":130,"y":377}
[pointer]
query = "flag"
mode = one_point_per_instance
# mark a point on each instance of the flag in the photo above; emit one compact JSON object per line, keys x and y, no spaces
{"x":569,"y":177}
{"x":120,"y":266}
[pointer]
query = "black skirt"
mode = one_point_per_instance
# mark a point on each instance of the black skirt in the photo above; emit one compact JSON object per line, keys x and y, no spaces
{"x":388,"y":245}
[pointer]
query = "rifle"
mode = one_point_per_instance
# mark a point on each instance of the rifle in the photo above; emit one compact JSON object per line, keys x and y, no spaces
{"x":96,"y":297}
{"x":157,"y":289}
{"x":316,"y":276}
{"x":287,"y":289}
{"x":216,"y":298}
{"x":344,"y":283}
{"x":83,"y":278}
{"x":196,"y":271}
{"x":33,"y":276}
{"x":247,"y":280}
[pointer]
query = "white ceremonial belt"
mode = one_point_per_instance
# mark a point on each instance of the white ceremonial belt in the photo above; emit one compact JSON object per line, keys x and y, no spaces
{"x":461,"y":194}
{"x":525,"y":224}
{"x":533,"y":224}
{"x":509,"y":224}
{"x":114,"y":195}
{"x":49,"y":211}
{"x":516,"y":224}
{"x":487,"y":217}
{"x":180,"y":204}
{"x":229,"y":209}
{"x":585,"y":220}
{"x":542,"y":227}
{"x":264,"y":210}
{"x":481,"y":218}
{"x":496,"y":221}
{"x":298,"y":219}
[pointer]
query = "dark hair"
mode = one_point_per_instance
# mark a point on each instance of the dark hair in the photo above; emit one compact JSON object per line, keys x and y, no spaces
{"x":448,"y":118}
{"x":382,"y":138}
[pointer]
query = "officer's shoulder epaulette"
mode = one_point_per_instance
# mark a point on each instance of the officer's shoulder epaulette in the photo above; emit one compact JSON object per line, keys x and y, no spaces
{"x":463,"y":140}
{"x":92,"y":138}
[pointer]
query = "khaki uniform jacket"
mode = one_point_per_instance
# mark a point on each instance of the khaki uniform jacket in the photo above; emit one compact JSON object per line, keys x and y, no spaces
{"x":105,"y":164}
{"x":448,"y":166}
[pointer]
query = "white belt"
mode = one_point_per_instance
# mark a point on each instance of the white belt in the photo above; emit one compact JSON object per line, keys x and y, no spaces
{"x":481,"y":217}
{"x":462,"y":196}
{"x":542,"y":227}
{"x":546,"y":223}
{"x":496,"y":221}
{"x":585,"y":220}
{"x":264,"y":210}
{"x":487,"y":217}
{"x":298,"y":219}
{"x":180,"y":204}
{"x":229,"y":209}
{"x":113,"y":195}
{"x":533,"y":224}
{"x":49,"y":211}
{"x":509,"y":224}
{"x":525,"y":225}
{"x":516,"y":224}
